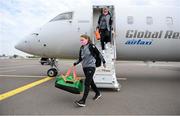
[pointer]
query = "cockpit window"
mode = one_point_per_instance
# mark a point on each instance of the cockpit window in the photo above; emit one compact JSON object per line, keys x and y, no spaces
{"x":63,"y":16}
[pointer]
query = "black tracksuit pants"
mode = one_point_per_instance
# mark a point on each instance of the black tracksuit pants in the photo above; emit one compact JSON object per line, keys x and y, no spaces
{"x":89,"y":72}
{"x":105,"y":37}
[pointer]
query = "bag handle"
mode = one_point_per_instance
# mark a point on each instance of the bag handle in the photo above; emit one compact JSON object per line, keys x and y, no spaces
{"x":74,"y":72}
{"x":69,"y":72}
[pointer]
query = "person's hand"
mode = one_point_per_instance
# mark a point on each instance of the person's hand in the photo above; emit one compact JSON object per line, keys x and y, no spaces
{"x":74,"y":64}
{"x":104,"y":65}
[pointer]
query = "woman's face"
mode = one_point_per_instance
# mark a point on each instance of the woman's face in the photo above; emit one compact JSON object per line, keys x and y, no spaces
{"x":105,"y":11}
{"x":83,"y":41}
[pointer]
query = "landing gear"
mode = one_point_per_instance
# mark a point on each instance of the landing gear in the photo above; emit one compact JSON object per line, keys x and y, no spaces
{"x":53,"y":71}
{"x":118,"y":89}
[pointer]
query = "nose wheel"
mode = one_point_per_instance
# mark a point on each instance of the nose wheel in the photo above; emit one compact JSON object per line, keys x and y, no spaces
{"x":52,"y":72}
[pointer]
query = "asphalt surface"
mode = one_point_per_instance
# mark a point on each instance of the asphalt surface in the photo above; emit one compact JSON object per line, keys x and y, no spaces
{"x":147,"y":88}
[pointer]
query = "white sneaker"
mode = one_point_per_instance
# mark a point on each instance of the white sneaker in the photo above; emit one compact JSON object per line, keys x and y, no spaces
{"x":96,"y":97}
{"x":103,"y":52}
{"x":80,"y":103}
{"x":106,"y":46}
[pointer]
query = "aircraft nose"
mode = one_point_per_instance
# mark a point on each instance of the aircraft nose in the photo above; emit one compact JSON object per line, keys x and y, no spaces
{"x":21,"y":46}
{"x":18,"y":46}
{"x":29,"y":44}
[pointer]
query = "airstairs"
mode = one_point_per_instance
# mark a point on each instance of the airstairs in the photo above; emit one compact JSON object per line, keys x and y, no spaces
{"x":106,"y":77}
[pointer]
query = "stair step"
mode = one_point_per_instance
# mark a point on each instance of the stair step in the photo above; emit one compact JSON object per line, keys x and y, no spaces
{"x":106,"y":77}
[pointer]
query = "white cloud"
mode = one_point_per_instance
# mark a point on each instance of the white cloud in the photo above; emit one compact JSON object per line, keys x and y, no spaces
{"x":154,"y":2}
{"x":20,"y":17}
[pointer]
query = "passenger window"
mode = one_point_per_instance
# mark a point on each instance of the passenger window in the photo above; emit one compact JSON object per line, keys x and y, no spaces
{"x":149,"y":20}
{"x":63,"y":16}
{"x":130,"y":20}
{"x":169,"y":20}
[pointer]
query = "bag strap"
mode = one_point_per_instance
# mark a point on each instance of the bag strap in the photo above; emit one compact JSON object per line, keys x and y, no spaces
{"x":91,"y":50}
{"x":69,"y":71}
{"x":94,"y":51}
{"x":75,"y":78}
{"x":67,"y":74}
{"x":74,"y":72}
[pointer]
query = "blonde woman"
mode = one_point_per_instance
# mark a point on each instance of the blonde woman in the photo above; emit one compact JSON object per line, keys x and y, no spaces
{"x":90,"y":57}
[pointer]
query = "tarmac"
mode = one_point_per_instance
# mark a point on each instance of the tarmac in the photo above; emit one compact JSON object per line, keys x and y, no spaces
{"x":147,"y":89}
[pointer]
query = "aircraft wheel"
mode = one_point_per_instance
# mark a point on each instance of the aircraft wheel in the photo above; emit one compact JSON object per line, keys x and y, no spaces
{"x":52,"y":72}
{"x":118,"y":89}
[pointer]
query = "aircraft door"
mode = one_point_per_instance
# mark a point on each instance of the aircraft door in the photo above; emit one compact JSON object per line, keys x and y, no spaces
{"x":105,"y":77}
{"x":97,"y":11}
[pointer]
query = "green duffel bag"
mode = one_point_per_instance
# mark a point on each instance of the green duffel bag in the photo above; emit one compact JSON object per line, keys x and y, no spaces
{"x":69,"y":82}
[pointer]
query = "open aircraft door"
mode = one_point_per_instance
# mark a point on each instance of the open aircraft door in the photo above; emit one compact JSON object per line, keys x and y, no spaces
{"x":106,"y":77}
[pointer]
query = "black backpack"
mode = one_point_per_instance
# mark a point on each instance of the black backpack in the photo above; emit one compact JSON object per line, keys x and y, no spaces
{"x":96,"y":54}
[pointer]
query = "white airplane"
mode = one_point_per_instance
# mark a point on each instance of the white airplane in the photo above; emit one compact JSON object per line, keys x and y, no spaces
{"x":146,"y":33}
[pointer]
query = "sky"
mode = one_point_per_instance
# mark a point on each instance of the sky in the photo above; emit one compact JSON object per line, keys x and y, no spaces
{"x":19,"y":18}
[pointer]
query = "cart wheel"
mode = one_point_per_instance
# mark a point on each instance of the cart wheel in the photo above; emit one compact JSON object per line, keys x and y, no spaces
{"x":52,"y":72}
